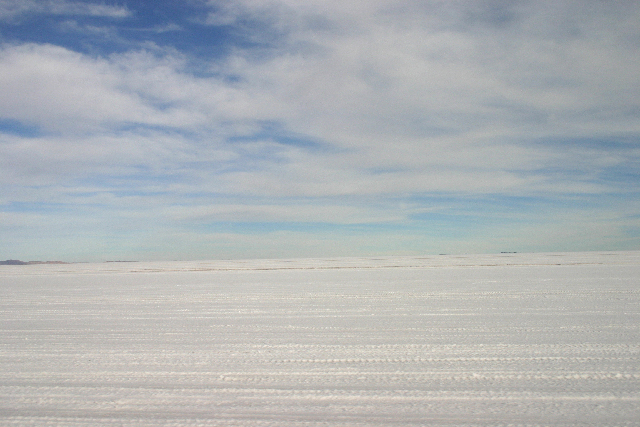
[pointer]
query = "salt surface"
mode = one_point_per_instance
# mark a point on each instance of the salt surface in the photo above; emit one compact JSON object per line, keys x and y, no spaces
{"x":510,"y":339}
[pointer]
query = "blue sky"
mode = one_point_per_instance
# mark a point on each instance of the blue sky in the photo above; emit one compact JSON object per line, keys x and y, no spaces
{"x":153,"y":130}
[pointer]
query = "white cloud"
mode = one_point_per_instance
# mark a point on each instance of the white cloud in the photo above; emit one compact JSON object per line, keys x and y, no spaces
{"x":292,"y":212}
{"x":407,"y":110}
{"x":89,"y":9}
{"x":457,"y":84}
{"x":59,"y":90}
{"x":13,"y":9}
{"x":404,"y":77}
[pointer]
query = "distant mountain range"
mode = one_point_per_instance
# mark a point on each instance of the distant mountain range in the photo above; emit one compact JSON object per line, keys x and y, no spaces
{"x":18,"y":262}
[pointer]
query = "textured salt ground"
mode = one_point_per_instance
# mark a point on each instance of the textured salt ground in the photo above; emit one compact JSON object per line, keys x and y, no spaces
{"x":517,"y":339}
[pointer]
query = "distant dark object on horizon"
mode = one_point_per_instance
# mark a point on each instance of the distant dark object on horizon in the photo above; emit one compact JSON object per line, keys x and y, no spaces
{"x":18,"y":262}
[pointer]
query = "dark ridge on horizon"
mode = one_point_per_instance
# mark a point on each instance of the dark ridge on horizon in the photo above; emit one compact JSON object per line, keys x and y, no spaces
{"x":18,"y":262}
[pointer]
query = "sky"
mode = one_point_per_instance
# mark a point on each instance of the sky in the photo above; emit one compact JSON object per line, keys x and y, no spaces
{"x":212,"y":129}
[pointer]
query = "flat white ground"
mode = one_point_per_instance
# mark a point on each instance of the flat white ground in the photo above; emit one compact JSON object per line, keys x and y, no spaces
{"x":511,"y":339}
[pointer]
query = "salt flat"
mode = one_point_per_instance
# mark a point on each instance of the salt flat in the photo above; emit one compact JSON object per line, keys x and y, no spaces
{"x":482,"y":340}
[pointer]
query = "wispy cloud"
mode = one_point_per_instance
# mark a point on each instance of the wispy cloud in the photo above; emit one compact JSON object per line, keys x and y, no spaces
{"x":11,"y":9}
